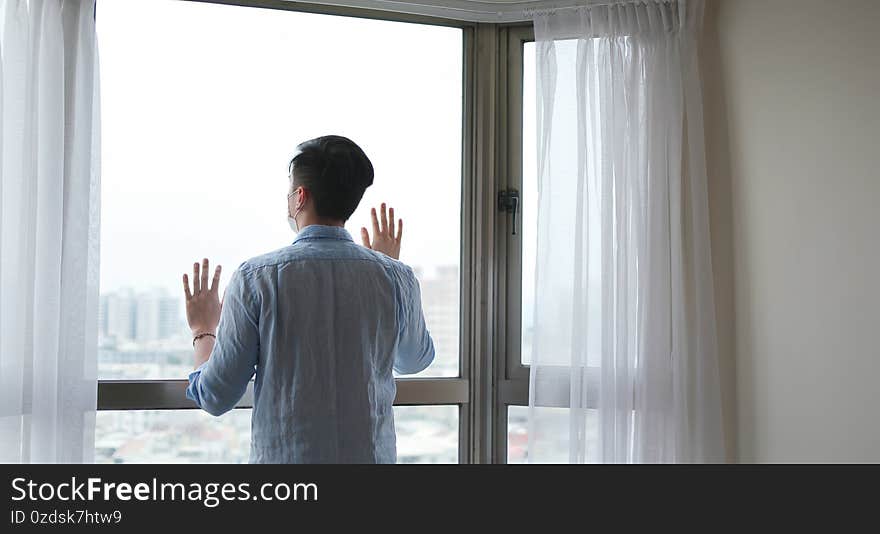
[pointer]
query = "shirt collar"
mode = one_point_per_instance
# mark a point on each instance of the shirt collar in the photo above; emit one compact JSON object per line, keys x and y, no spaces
{"x":319,"y":231}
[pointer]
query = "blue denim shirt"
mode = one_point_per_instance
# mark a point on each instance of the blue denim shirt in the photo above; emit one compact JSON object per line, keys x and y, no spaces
{"x":321,"y":323}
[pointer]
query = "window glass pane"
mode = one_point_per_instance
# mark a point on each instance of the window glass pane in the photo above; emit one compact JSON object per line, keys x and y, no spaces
{"x":553,"y":428}
{"x":425,"y":434}
{"x":172,"y":436}
{"x":529,"y":201}
{"x":517,"y":434}
{"x":199,"y":127}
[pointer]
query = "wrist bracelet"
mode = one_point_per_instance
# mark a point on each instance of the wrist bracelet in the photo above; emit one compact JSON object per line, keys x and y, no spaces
{"x":203,"y":334}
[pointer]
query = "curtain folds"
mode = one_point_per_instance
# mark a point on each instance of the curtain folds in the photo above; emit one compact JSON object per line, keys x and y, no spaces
{"x":624,"y":352}
{"x":49,"y":230}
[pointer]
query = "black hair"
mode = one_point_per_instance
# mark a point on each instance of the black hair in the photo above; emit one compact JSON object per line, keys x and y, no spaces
{"x":335,"y":171}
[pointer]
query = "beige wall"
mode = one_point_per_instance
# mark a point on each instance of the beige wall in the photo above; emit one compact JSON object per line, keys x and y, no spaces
{"x":792,"y":96}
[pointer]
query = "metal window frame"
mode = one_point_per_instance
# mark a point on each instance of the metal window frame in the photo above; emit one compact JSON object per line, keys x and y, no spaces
{"x":516,"y":39}
{"x":170,"y":394}
{"x":343,"y":11}
{"x":513,"y":376}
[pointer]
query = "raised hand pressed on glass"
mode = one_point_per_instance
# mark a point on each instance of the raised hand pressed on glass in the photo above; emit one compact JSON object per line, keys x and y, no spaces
{"x":203,"y":302}
{"x":385,"y":239}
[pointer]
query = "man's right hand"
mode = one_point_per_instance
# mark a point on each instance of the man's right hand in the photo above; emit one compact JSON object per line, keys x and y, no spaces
{"x":385,"y":239}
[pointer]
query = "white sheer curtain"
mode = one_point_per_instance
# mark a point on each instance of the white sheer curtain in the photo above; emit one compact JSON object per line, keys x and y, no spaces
{"x":49,"y":193}
{"x":624,"y":356}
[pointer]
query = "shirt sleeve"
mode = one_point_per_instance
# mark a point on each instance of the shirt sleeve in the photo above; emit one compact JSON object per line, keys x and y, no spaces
{"x":217,"y":385}
{"x":415,"y":349}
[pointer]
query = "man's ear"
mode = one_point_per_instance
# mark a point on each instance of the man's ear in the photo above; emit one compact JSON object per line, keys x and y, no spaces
{"x":304,"y":196}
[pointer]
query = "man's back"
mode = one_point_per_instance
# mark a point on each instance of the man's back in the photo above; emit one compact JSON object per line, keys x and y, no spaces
{"x":323,"y":322}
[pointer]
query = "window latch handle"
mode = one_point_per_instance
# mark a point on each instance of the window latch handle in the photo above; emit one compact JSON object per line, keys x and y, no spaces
{"x":508,"y":202}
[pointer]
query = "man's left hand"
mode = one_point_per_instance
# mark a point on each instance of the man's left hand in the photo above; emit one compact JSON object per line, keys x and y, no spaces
{"x":202,"y":303}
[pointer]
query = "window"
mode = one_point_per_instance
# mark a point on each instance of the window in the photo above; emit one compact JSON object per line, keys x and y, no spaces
{"x":555,"y":430}
{"x":517,"y":434}
{"x":520,"y":265}
{"x":517,"y":243}
{"x":425,"y":434}
{"x":198,"y":127}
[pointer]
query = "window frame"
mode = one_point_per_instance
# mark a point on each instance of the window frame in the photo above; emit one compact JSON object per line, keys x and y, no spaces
{"x":491,"y":375}
{"x":169,"y":394}
{"x":517,"y":38}
{"x":513,"y":376}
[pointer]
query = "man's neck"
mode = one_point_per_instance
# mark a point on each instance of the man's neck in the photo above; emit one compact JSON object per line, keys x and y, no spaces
{"x":307,"y":220}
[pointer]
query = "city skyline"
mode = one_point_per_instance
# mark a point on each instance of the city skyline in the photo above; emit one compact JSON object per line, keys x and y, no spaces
{"x":140,"y":326}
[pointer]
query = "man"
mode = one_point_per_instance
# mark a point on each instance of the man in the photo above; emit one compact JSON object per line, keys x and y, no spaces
{"x":321,"y":323}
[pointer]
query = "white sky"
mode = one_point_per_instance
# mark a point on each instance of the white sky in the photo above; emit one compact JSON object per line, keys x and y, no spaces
{"x":203,"y":105}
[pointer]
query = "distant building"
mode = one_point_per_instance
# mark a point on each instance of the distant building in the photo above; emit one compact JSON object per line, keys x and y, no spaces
{"x":157,"y":316}
{"x":143,"y":317}
{"x":117,"y":315}
{"x":440,"y":304}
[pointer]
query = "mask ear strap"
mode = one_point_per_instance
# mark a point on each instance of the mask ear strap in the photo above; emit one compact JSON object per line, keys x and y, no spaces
{"x":299,"y":209}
